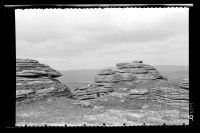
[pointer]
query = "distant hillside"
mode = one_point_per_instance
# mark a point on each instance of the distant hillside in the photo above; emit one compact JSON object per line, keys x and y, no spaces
{"x":87,"y":75}
{"x":174,"y":73}
{"x":171,"y":68}
{"x":79,"y":76}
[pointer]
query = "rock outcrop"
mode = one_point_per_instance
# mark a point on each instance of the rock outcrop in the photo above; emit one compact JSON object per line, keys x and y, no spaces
{"x":184,"y":84}
{"x":173,"y":97}
{"x":123,"y":81}
{"x":126,"y":73}
{"x":35,"y":81}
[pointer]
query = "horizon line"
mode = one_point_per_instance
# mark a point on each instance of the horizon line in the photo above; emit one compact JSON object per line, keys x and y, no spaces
{"x":112,"y":67}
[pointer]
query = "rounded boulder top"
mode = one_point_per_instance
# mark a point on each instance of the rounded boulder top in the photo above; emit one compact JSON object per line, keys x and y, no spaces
{"x":137,"y":61}
{"x":19,"y":60}
{"x":107,"y":72}
{"x":33,"y":68}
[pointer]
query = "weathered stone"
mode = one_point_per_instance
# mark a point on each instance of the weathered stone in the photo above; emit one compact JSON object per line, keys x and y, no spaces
{"x":90,"y":92}
{"x":24,"y":93}
{"x":127,"y":74}
{"x":129,"y":65}
{"x":31,"y":68}
{"x":122,"y":65}
{"x":86,"y":97}
{"x":145,"y":77}
{"x":163,"y":95}
{"x":108,"y":78}
{"x":123,"y":70}
{"x":184,"y":84}
{"x":127,"y":77}
{"x":137,"y":61}
{"x":136,"y":65}
{"x":107,"y":72}
{"x":26,"y":61}
{"x":118,"y":94}
{"x":35,"y":81}
{"x":138,"y":70}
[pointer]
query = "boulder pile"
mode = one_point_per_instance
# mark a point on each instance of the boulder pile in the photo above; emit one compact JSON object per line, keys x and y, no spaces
{"x":35,"y":81}
{"x":128,"y":74}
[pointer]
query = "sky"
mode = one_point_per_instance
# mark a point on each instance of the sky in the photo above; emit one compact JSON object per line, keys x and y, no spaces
{"x":71,"y":39}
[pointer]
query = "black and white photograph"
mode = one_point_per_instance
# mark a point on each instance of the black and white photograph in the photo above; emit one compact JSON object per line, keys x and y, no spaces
{"x":94,"y":67}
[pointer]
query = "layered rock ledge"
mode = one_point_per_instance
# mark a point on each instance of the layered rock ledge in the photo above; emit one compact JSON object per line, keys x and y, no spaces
{"x":184,"y":84}
{"x":36,"y":81}
{"x":124,"y":73}
{"x":173,"y":97}
{"x":121,"y":82}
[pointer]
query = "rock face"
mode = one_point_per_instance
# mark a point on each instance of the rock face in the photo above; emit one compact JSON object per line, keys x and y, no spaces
{"x":35,"y":81}
{"x":32,"y":68}
{"x":121,"y":82}
{"x":184,"y":84}
{"x":173,"y":97}
{"x":126,"y":73}
{"x":135,"y":72}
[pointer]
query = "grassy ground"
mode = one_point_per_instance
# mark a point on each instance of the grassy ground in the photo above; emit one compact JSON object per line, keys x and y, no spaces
{"x":113,"y":111}
{"x":109,"y":110}
{"x":50,"y":111}
{"x":65,"y":113}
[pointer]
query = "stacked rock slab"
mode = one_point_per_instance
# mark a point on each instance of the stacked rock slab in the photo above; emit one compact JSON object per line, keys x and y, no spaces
{"x":106,"y":81}
{"x":184,"y":84}
{"x":35,"y":81}
{"x":173,"y":97}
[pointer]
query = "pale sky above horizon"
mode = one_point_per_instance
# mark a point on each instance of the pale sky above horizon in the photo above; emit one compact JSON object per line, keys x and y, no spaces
{"x":68,"y":39}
